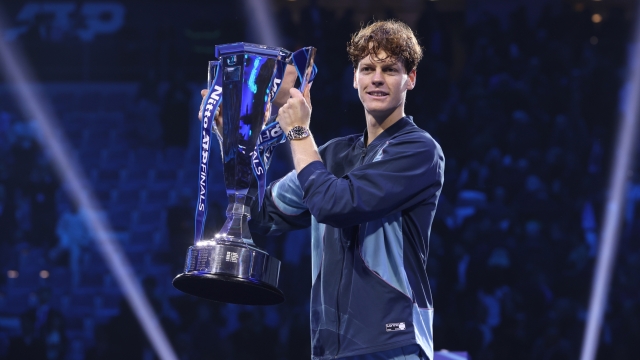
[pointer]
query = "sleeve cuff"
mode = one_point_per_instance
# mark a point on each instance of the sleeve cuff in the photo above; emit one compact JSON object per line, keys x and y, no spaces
{"x":308,"y":171}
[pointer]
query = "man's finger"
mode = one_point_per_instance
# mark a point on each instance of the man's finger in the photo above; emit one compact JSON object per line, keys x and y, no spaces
{"x":295,"y":93}
{"x":307,"y":93}
{"x":203,"y":92}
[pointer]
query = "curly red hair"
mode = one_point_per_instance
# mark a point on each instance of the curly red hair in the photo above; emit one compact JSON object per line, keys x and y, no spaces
{"x":394,"y":37}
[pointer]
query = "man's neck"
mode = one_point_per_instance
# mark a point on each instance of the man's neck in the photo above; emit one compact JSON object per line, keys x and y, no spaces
{"x":377,"y":124}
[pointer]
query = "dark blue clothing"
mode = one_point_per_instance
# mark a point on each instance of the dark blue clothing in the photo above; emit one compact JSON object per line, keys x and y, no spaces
{"x":370,"y":209}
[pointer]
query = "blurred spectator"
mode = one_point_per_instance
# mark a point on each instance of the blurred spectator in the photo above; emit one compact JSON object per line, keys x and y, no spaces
{"x":73,"y":239}
{"x":46,"y":325}
{"x":6,"y":215}
{"x":146,"y":112}
{"x":205,"y":336}
{"x":180,"y":230}
{"x":121,"y":338}
{"x":23,"y":216}
{"x":43,"y":189}
{"x":174,"y":115}
{"x":252,"y":331}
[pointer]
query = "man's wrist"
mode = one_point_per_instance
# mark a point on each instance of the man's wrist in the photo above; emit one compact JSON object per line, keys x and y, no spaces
{"x":287,"y":128}
{"x":298,"y":132}
{"x":303,"y":152}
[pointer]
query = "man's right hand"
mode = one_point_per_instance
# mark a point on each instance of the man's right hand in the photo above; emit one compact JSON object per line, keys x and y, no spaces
{"x":217,"y":116}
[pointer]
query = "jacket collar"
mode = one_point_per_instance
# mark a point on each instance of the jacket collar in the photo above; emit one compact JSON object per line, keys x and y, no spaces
{"x":386,"y":134}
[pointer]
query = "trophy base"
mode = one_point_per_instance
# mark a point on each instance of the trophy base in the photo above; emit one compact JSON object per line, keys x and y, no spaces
{"x":228,"y":289}
{"x":231,"y":272}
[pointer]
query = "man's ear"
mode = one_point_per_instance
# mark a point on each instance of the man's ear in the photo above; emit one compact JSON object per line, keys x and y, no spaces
{"x":355,"y":85}
{"x":411,"y":79}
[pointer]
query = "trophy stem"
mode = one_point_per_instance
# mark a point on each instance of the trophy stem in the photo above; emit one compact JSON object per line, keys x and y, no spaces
{"x":236,"y":227}
{"x":230,"y":268}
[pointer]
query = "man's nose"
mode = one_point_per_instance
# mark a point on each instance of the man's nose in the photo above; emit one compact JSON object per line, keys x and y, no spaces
{"x":377,"y":78}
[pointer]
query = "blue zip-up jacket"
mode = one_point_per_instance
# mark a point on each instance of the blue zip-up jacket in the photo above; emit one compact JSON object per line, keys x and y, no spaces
{"x":370,"y":209}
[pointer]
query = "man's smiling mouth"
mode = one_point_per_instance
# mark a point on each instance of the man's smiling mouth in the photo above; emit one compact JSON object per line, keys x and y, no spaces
{"x":377,"y":93}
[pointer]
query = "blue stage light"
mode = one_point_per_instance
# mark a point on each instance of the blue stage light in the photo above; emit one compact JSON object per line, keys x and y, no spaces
{"x":35,"y":107}
{"x":613,"y":212}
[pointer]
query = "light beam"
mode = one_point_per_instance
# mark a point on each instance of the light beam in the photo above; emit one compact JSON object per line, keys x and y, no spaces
{"x":613,"y":211}
{"x":37,"y":109}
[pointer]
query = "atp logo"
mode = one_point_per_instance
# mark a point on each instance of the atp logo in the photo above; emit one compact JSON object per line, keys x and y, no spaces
{"x":56,"y":20}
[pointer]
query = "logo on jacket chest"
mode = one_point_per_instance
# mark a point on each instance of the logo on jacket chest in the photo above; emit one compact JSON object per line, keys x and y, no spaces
{"x":395,"y":326}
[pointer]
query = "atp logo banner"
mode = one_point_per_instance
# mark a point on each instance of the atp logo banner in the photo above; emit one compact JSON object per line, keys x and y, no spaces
{"x":54,"y":21}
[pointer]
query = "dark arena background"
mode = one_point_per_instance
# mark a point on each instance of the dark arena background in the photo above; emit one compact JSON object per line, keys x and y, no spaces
{"x":99,"y":156}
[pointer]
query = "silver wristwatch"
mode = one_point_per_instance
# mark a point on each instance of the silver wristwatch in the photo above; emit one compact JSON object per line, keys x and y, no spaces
{"x":297,"y":133}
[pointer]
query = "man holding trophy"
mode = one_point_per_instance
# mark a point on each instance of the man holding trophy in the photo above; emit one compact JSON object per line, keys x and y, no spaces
{"x":370,"y":200}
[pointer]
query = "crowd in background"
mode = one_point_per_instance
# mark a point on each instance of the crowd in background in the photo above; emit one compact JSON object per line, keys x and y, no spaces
{"x":525,"y":111}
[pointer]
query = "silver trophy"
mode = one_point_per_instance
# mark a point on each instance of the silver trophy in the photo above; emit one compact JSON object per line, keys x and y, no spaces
{"x":230,"y":267}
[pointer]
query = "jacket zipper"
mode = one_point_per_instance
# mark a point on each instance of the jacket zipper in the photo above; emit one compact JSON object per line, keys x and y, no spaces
{"x":344,"y":255}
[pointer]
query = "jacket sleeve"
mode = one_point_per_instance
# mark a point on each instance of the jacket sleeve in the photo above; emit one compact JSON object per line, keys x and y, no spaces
{"x":282,"y":209}
{"x":406,"y":172}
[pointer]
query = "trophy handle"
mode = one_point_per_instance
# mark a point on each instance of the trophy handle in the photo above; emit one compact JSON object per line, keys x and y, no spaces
{"x":213,"y":71}
{"x":304,"y":60}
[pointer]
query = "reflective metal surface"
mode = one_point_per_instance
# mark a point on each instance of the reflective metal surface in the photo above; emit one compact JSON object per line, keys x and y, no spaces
{"x":230,"y":268}
{"x":248,"y":72}
{"x":233,"y":259}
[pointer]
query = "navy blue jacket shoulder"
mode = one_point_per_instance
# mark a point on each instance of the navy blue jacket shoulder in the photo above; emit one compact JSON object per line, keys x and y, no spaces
{"x":370,"y":209}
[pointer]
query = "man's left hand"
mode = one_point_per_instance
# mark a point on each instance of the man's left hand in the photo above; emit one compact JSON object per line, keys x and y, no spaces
{"x":297,"y":110}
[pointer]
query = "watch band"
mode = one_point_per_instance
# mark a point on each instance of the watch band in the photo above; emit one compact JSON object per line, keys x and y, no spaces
{"x":297,"y":133}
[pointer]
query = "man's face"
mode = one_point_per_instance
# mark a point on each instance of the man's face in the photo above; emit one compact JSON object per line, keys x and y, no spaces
{"x":382,"y":84}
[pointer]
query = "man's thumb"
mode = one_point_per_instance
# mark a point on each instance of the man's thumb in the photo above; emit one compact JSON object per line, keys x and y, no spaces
{"x":295,"y":93}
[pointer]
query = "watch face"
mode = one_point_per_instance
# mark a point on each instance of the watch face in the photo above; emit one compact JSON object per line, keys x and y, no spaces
{"x":298,"y":132}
